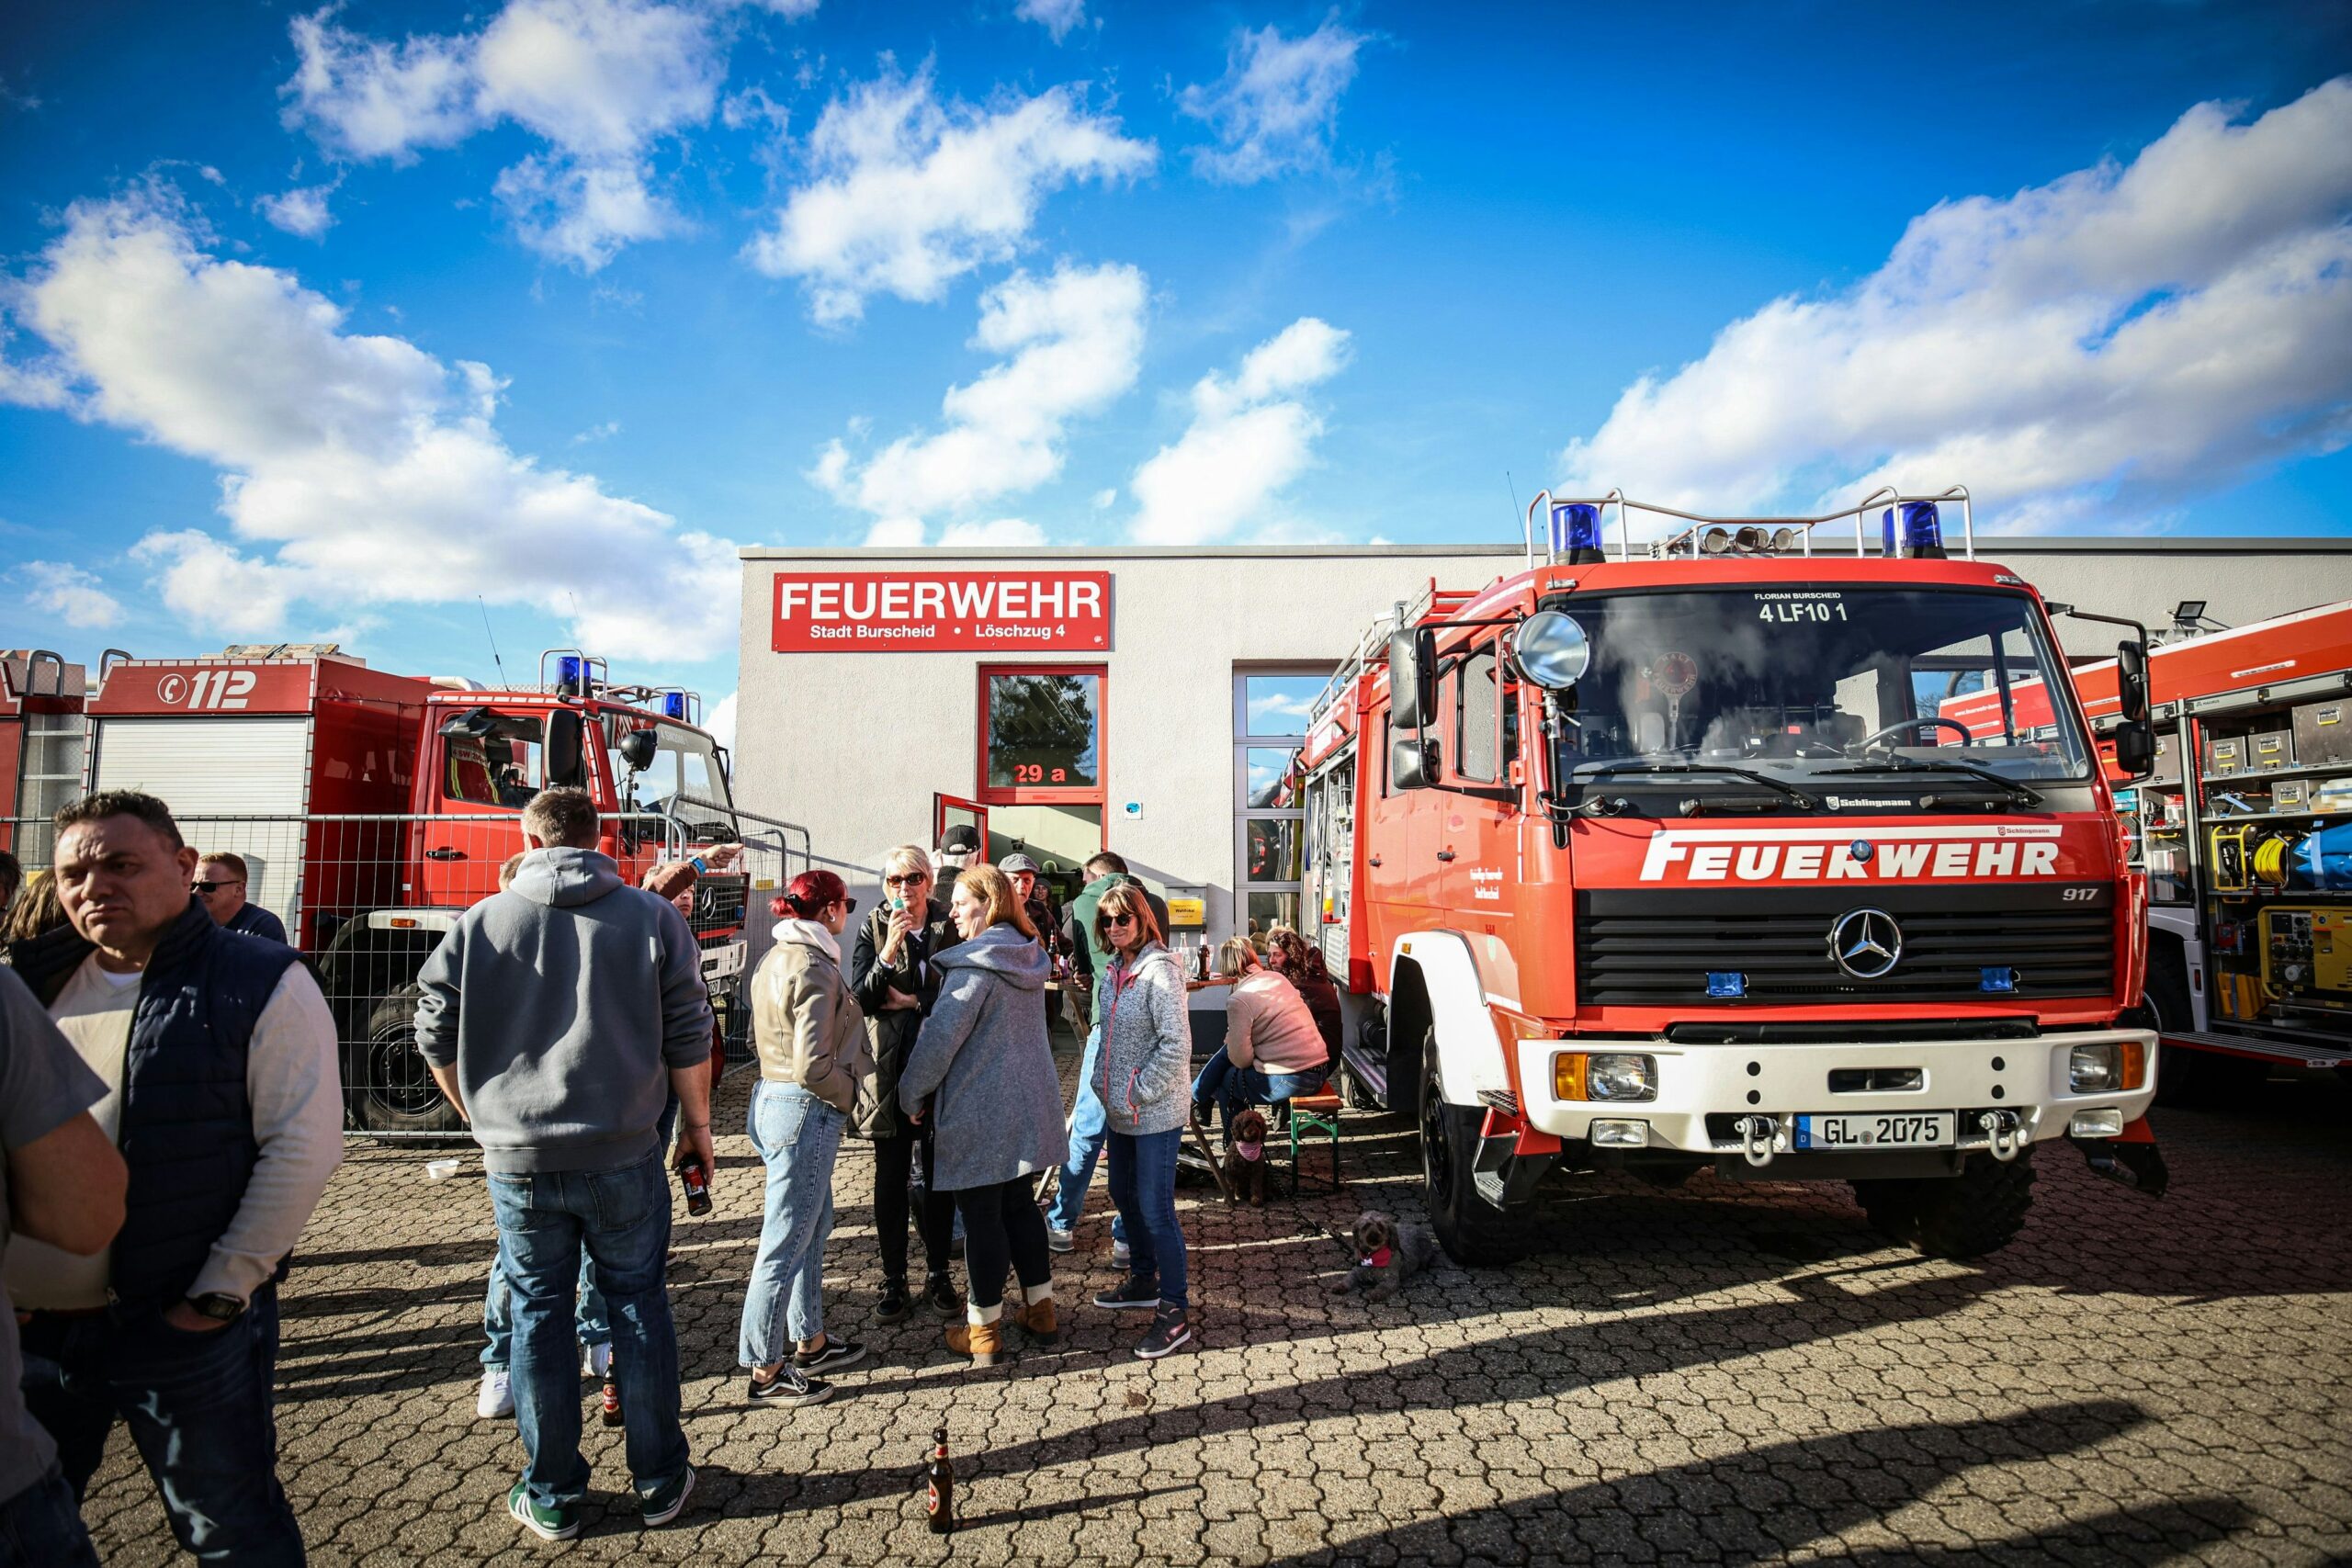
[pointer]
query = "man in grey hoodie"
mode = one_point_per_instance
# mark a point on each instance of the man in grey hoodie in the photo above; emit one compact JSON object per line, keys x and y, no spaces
{"x":558,"y":1016}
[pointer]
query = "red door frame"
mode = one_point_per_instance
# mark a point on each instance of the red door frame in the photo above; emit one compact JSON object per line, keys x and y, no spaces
{"x":1098,"y":793}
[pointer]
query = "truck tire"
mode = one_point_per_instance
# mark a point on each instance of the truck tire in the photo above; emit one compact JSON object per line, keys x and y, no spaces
{"x":1473,"y":1231}
{"x":1892,"y":1208}
{"x":1977,"y":1212}
{"x":391,"y":1090}
{"x":2163,"y":1007}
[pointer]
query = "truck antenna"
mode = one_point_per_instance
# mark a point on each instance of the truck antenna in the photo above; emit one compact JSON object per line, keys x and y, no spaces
{"x":493,"y":639}
{"x":1513,"y":488}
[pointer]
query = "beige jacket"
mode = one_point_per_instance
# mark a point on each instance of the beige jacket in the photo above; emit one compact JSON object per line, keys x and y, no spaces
{"x":808,"y":1029}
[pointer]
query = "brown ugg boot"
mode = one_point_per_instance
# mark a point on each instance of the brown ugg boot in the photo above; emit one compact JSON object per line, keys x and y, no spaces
{"x":1036,"y":1316}
{"x":982,"y":1340}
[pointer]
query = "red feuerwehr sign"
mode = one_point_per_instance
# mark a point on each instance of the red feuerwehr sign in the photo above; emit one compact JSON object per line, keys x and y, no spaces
{"x":942,"y":612}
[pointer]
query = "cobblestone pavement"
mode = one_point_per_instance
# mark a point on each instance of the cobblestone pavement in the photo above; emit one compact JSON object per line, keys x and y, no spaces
{"x":1719,"y":1375}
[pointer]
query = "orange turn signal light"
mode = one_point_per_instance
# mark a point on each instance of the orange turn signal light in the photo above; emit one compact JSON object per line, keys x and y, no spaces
{"x":1567,"y":1076}
{"x":2134,"y":1064}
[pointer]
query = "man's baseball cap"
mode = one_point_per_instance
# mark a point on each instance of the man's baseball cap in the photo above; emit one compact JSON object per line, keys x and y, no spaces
{"x":963,"y":839}
{"x":1013,"y":864}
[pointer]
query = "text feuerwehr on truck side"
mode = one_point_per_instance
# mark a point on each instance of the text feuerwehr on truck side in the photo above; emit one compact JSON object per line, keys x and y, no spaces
{"x":1666,"y":860}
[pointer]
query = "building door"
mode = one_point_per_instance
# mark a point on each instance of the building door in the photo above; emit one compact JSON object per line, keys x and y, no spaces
{"x":951,"y":811}
{"x":1271,"y":710}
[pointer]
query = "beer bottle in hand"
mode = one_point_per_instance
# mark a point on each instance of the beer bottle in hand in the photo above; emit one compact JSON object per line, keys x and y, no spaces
{"x":939,"y":1491}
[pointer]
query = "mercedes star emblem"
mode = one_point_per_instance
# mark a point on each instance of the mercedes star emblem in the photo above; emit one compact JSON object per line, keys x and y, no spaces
{"x":1865,"y":943}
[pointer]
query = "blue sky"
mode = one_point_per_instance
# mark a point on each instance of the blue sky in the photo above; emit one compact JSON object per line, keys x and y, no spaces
{"x":327,"y":322}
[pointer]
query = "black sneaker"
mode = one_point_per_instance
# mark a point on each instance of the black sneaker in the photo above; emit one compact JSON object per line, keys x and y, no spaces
{"x":1130,"y":1295}
{"x":941,"y":1293}
{"x":1168,"y":1329}
{"x":790,"y":1386}
{"x":895,"y":1305}
{"x":832,"y":1355}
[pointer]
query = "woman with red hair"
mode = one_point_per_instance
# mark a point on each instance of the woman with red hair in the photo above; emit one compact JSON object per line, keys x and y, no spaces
{"x":811,"y":1039}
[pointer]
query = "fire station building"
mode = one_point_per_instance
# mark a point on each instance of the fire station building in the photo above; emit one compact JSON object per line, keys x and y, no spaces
{"x":1148,"y":700}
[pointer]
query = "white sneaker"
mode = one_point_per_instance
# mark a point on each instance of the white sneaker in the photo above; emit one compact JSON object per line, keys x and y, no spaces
{"x":1061,"y":1241}
{"x":496,"y":1397}
{"x":596,"y":1360}
{"x":1121,"y":1254}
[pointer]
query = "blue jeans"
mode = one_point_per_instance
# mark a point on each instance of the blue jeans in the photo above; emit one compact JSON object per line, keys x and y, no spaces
{"x":1232,"y":1087}
{"x":797,"y":1135}
{"x":41,"y":1528}
{"x":1143,"y":1185}
{"x":621,"y":1218}
{"x":498,"y":1315}
{"x":1085,"y":1128}
{"x":200,"y":1407}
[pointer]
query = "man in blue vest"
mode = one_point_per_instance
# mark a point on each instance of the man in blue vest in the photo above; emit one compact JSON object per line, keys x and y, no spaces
{"x":218,"y":1055}
{"x":220,"y":883}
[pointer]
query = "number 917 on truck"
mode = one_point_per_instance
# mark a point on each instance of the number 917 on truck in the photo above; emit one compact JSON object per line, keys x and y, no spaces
{"x":1668,"y":861}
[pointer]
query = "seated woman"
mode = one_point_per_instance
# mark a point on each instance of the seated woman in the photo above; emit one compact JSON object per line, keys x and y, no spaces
{"x":1297,"y":960}
{"x":1272,"y":1049}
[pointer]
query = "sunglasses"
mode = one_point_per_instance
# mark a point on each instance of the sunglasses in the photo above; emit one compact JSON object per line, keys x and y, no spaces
{"x":1118,"y":920}
{"x":212,"y":886}
{"x":911,"y":879}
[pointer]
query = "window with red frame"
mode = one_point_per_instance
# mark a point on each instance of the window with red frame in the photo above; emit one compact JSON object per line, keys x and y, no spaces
{"x":1041,"y":734}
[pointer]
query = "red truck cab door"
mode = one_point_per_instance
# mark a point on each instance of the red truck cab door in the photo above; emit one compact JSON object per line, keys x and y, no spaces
{"x":484,"y":763}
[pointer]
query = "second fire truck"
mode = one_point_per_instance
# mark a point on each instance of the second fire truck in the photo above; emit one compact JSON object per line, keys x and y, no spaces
{"x":1670,"y":862}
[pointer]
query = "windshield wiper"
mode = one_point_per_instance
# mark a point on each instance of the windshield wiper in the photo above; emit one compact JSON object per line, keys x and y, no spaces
{"x":1789,"y":791}
{"x":1898,"y":764}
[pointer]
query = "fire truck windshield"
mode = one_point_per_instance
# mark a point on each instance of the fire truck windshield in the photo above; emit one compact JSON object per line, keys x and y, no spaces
{"x":1819,"y":684}
{"x":685,"y":763}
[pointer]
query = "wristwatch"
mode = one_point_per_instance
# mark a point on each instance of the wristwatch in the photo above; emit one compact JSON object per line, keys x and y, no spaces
{"x":218,"y":1305}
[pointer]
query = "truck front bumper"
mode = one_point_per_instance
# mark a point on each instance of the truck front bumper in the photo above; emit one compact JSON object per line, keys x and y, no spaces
{"x":1741,"y":1089}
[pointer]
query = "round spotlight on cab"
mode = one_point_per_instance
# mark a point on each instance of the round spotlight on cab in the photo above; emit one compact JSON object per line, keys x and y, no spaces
{"x":1551,"y":650}
{"x":1783,"y":538}
{"x":1715,"y":541}
{"x":1750,"y":537}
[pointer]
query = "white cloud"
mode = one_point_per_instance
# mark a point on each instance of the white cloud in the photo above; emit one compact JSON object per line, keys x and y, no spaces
{"x":302,"y":210}
{"x":906,"y":193}
{"x":70,"y":593}
{"x":719,"y":719}
{"x":1106,"y":497}
{"x":602,"y":431}
{"x":1071,"y":344}
{"x":357,"y":469}
{"x":600,"y":81}
{"x":2105,"y":345}
{"x":1012,"y":531}
{"x":1277,"y":106}
{"x":1057,"y":17}
{"x":1248,"y":439}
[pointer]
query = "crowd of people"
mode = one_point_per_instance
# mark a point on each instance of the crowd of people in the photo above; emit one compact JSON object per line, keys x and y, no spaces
{"x":170,"y":1112}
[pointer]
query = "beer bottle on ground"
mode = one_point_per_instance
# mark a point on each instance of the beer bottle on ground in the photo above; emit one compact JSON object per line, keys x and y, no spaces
{"x":939,"y":1491}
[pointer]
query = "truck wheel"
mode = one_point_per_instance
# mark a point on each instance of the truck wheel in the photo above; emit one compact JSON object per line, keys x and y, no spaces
{"x":1473,"y":1230}
{"x":2163,"y":1007}
{"x":1892,"y":1208}
{"x":391,"y":1088}
{"x":1977,"y":1212}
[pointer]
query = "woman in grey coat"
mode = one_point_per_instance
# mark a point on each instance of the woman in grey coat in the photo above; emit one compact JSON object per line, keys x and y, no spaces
{"x":1142,"y":1074}
{"x":982,"y":1074}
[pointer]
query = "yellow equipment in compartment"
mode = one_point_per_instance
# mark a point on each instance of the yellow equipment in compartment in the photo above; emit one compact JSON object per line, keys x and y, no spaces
{"x":2250,"y":858}
{"x":2306,"y":954}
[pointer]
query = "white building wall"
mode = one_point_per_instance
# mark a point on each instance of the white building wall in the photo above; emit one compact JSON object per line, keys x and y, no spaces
{"x":853,"y":744}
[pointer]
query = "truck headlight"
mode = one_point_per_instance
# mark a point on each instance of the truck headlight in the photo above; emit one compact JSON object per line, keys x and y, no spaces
{"x":2092,"y":1069}
{"x":1604,"y":1075}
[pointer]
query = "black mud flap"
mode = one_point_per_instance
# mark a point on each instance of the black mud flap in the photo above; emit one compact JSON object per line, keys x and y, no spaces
{"x":2135,"y":1165}
{"x":1503,"y":1176}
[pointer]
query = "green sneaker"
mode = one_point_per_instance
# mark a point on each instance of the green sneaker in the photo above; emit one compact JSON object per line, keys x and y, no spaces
{"x":663,"y":1505}
{"x":559,"y":1523}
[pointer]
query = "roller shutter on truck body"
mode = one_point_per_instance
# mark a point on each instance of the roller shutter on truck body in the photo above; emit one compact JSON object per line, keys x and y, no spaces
{"x":209,"y":767}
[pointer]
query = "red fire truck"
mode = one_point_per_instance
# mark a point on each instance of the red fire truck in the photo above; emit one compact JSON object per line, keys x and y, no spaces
{"x":41,"y":698}
{"x":1671,"y":862}
{"x":2247,"y":849}
{"x":373,"y":809}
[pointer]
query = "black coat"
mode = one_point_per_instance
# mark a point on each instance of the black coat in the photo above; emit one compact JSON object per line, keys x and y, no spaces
{"x":892,"y":1033}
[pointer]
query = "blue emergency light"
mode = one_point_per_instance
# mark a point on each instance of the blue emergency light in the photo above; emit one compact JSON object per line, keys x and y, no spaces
{"x":1998,"y":981}
{"x":1923,"y":530}
{"x":673,"y":705}
{"x":1575,"y":532}
{"x":1726,"y":982}
{"x":572,"y":674}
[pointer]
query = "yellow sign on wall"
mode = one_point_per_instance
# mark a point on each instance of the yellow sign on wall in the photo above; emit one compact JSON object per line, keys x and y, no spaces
{"x":1188,"y":912}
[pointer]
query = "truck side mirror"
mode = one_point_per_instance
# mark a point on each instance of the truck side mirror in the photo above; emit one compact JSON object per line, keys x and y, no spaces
{"x":2131,"y":683}
{"x":637,"y":749}
{"x":2135,"y":748}
{"x":566,"y":763}
{"x":1412,"y":765}
{"x":1412,"y":677}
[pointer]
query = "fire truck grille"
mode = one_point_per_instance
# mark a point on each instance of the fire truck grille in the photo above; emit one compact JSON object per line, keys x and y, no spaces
{"x":719,"y":901}
{"x":1958,"y":944}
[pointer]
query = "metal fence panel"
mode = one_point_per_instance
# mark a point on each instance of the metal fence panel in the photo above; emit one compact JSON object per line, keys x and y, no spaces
{"x":366,"y":898}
